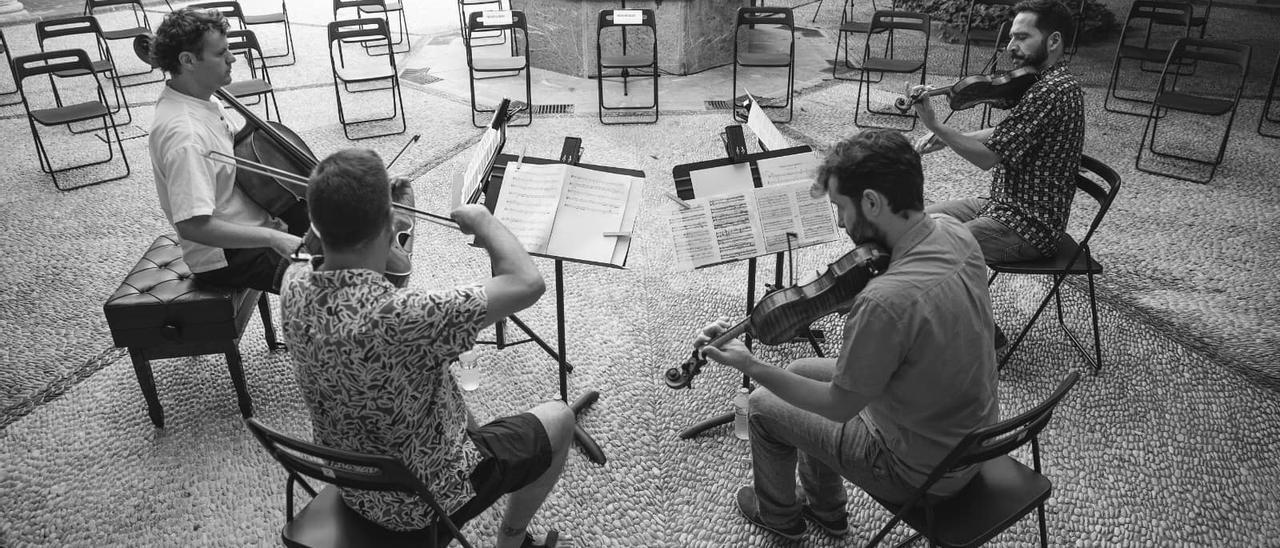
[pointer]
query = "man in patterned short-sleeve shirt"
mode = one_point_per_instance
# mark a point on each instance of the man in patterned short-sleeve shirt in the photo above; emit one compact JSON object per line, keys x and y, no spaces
{"x":372,"y":361}
{"x":1034,"y":153}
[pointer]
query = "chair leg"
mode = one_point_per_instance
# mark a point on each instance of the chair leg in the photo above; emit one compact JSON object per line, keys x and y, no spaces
{"x":268,"y":329}
{"x":1044,"y":530}
{"x":236,"y":368}
{"x":1053,"y":292}
{"x":147,"y":382}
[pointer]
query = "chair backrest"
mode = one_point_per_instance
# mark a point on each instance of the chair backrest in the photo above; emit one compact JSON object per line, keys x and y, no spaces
{"x":48,"y":62}
{"x":246,"y":42}
{"x":606,"y":19}
{"x":1212,"y":51}
{"x":476,"y":22}
{"x":229,"y":9}
{"x":901,"y":20}
{"x":765,"y":15}
{"x":1160,"y":12}
{"x":358,"y":28}
{"x":1005,"y":436}
{"x":345,"y":468}
{"x":381,"y":5}
{"x":91,"y":5}
{"x":49,"y":29}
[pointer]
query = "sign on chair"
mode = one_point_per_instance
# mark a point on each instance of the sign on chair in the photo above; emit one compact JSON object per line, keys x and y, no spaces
{"x":493,"y":18}
{"x":628,"y":17}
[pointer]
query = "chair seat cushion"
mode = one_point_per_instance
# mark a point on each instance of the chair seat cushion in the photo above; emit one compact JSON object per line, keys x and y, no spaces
{"x":125,"y":33}
{"x":327,"y":522}
{"x":87,"y":110}
{"x":264,"y":18}
{"x":1067,"y":246}
{"x":635,"y":60}
{"x":248,"y":88}
{"x":498,"y":64}
{"x":764,"y":59}
{"x":881,"y":64}
{"x":159,"y":303}
{"x":1186,"y":102}
{"x":1003,"y":491}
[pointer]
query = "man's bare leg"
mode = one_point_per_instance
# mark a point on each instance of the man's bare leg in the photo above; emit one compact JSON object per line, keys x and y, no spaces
{"x":558,"y":420}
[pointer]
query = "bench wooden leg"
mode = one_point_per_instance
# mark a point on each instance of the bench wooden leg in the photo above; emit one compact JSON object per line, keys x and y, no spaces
{"x":142,"y":367}
{"x":264,"y":312}
{"x":236,"y":368}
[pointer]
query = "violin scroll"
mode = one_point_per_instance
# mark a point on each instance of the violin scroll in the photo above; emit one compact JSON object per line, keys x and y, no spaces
{"x":682,"y":376}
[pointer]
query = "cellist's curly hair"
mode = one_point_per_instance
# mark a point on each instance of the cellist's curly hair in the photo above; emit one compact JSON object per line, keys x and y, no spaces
{"x":349,"y":198}
{"x":877,"y":159}
{"x":184,"y":30}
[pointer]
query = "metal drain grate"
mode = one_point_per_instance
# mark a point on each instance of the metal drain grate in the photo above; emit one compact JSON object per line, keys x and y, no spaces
{"x":553,"y":109}
{"x":719,"y":104}
{"x":419,"y":76}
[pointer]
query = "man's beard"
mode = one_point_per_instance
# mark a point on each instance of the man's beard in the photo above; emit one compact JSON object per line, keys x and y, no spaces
{"x":1035,"y":60}
{"x":863,"y":232}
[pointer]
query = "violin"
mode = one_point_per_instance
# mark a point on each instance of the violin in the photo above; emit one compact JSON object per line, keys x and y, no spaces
{"x":1001,"y":91}
{"x":780,"y":314}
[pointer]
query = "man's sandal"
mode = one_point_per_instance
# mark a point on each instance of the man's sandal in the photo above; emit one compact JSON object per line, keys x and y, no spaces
{"x":548,"y":542}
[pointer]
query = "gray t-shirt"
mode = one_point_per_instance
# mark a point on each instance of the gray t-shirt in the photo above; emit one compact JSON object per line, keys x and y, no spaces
{"x":918,"y":346}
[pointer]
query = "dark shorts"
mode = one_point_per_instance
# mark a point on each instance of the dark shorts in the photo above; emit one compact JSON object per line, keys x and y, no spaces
{"x":516,"y":452}
{"x":258,"y":268}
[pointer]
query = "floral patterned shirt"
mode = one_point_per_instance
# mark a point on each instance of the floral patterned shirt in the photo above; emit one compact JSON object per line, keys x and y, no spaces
{"x":1039,"y":144}
{"x":372,"y":362}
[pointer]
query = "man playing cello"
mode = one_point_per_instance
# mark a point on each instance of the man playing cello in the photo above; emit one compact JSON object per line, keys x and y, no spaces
{"x":227,"y":239}
{"x":1034,"y":153}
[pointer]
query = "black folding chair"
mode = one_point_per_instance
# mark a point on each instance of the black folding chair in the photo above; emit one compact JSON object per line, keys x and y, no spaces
{"x":627,"y":63}
{"x":974,"y":35}
{"x":10,"y":97}
{"x":1071,"y":259}
{"x":1150,"y":15}
{"x":1000,"y":495}
{"x":141,"y":27}
{"x":849,"y":26}
{"x":383,"y":9}
{"x":1266,"y":105}
{"x":76,"y":64}
{"x":774,"y":19}
{"x":326,"y":521}
{"x":467,"y":7}
{"x":258,"y":84}
{"x":511,"y":65}
{"x":362,"y":31}
{"x":1198,"y":21}
{"x":85,"y":25}
{"x":1208,"y":96}
{"x":893,"y":24}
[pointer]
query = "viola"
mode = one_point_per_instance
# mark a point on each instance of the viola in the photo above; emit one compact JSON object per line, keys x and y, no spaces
{"x":1001,"y":91}
{"x":782,"y":313}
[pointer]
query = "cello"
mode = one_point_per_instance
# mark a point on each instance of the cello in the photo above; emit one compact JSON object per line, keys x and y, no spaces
{"x":274,"y":144}
{"x":778,"y":315}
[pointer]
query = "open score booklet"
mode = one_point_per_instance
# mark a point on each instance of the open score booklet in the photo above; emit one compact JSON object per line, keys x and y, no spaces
{"x":566,"y":211}
{"x":731,"y":219}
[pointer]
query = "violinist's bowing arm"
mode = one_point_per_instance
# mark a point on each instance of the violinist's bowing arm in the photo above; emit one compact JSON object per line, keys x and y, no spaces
{"x":819,"y":397}
{"x":971,"y":146}
{"x":207,"y":230}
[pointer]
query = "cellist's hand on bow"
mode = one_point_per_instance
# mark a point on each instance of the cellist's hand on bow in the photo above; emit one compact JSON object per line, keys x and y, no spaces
{"x":732,"y":353}
{"x":471,"y":219}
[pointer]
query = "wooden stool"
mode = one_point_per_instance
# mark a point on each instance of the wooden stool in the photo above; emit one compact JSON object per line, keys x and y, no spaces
{"x":160,"y":311}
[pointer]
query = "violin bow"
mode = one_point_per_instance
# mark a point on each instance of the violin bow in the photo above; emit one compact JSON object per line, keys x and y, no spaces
{"x":270,"y":171}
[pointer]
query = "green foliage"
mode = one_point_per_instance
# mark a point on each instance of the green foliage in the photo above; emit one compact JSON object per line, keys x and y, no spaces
{"x":1098,"y":20}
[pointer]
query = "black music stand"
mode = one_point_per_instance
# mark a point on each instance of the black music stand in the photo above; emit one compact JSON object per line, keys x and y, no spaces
{"x":735,"y":153}
{"x":493,"y":189}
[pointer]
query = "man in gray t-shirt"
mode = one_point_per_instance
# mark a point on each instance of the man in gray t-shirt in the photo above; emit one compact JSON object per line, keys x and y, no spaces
{"x":916,"y":370}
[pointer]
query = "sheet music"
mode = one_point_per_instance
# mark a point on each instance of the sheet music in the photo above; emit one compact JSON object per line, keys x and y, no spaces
{"x":779,"y":215}
{"x":695,"y":242}
{"x":594,"y":203}
{"x":530,"y":196}
{"x":792,"y":168}
{"x":482,"y":156}
{"x":763,"y":127}
{"x":816,"y":218}
{"x":721,"y":180}
{"x":734,"y":218}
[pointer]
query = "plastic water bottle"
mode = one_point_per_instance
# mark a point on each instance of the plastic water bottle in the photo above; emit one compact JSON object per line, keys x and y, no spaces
{"x":740,"y":404}
{"x":468,"y":373}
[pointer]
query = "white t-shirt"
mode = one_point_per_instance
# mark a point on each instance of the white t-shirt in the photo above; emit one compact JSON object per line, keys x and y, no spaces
{"x":191,"y":185}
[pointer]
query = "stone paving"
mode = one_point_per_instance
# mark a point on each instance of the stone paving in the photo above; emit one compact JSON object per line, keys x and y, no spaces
{"x":1174,"y":442}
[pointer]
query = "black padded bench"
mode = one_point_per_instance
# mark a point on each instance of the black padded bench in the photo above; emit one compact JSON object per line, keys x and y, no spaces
{"x":160,"y":312}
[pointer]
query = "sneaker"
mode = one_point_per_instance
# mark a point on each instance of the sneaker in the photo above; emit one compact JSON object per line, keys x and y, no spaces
{"x":750,"y":510}
{"x":834,"y":527}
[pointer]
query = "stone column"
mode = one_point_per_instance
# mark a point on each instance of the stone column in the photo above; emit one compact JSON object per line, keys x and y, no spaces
{"x":11,"y":10}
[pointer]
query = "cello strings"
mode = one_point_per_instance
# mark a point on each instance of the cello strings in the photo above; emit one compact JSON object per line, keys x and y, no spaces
{"x":270,"y":171}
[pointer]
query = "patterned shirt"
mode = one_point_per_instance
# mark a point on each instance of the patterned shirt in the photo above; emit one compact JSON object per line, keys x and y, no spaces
{"x":372,"y":362}
{"x":1039,"y":144}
